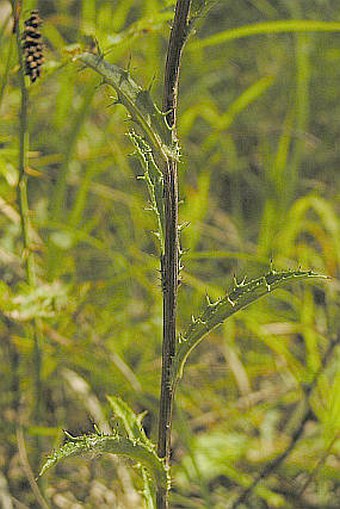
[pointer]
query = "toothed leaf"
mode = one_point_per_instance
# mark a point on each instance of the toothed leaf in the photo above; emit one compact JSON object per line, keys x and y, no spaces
{"x":136,"y":450}
{"x":148,"y":491}
{"x":131,"y":422}
{"x":154,"y":181}
{"x":241,"y":296}
{"x":132,"y":425}
{"x":137,"y":101}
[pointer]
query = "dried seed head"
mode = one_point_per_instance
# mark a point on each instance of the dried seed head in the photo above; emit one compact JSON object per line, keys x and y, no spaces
{"x":33,"y":46}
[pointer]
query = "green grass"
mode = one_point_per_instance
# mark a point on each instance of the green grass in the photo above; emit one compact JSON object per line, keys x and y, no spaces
{"x":259,"y":123}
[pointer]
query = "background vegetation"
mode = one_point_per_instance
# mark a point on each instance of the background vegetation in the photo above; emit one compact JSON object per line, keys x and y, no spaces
{"x":259,"y":125}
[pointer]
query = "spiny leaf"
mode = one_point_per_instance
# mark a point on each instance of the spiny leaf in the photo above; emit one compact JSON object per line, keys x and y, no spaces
{"x":148,"y":492}
{"x":137,"y":101}
{"x":154,"y":181}
{"x":215,"y":313}
{"x":95,"y":443}
{"x":132,"y":425}
{"x":131,"y":422}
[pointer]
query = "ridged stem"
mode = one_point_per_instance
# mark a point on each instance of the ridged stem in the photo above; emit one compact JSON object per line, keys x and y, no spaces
{"x":170,"y":260}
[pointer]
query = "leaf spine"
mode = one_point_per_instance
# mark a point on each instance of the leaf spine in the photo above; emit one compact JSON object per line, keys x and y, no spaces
{"x":231,"y":301}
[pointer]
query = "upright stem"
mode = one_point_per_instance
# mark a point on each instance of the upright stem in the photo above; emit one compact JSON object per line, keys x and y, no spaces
{"x":170,"y":260}
{"x":23,"y":149}
{"x":28,"y":255}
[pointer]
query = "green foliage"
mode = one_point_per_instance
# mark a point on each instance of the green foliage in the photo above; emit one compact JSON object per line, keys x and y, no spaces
{"x":131,"y":422}
{"x":46,"y":301}
{"x":238,"y":298}
{"x":132,"y":425}
{"x":154,"y":181}
{"x":130,"y":441}
{"x":259,"y":128}
{"x":274,"y":27}
{"x":98,"y":444}
{"x":137,"y":101}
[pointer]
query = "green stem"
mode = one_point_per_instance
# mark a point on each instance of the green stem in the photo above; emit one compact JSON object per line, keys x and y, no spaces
{"x":28,"y":255}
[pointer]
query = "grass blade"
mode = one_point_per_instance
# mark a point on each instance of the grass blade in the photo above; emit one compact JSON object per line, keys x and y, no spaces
{"x":270,"y":27}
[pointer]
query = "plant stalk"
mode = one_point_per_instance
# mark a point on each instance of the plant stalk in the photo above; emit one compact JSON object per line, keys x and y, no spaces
{"x":170,"y":259}
{"x":28,"y":254}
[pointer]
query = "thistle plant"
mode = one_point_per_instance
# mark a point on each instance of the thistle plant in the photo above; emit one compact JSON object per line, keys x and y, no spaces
{"x":155,"y":139}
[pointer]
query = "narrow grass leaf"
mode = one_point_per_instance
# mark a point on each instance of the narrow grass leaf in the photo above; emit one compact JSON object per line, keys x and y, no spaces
{"x":247,"y":97}
{"x":270,"y":27}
